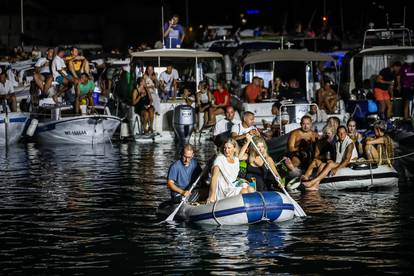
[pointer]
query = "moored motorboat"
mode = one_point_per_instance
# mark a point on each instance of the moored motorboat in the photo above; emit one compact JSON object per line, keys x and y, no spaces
{"x":61,"y":128}
{"x":240,"y":209}
{"x":12,"y":123}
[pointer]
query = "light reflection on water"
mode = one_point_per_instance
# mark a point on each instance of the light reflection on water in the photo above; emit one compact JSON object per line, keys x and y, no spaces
{"x":83,"y":210}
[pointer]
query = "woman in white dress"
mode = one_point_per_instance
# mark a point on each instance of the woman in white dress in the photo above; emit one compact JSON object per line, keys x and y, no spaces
{"x":224,"y":174}
{"x":151,"y":83}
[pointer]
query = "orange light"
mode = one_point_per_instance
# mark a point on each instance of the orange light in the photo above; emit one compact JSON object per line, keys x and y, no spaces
{"x":324,"y":18}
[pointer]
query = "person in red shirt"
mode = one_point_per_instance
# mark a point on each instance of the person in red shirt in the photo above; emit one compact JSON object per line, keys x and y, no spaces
{"x":253,"y":91}
{"x":220,"y":101}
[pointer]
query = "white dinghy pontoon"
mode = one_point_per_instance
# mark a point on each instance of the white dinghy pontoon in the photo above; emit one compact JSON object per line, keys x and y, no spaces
{"x":361,"y":177}
{"x":241,"y":209}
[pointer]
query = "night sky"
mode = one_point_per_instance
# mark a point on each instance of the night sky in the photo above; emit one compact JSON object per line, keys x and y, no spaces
{"x":122,"y":23}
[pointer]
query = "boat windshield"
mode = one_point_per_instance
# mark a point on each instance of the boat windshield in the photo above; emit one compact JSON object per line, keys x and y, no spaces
{"x":387,"y":37}
{"x":208,"y":69}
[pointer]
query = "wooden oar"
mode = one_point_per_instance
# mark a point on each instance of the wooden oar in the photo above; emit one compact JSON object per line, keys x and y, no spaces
{"x":298,"y":210}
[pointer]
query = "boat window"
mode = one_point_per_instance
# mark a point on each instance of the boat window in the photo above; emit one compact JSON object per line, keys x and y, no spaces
{"x":210,"y":70}
{"x":287,"y":70}
{"x":184,"y":66}
{"x":261,"y":70}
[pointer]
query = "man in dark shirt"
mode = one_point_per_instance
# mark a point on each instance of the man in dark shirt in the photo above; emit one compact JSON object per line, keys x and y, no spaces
{"x":384,"y":86}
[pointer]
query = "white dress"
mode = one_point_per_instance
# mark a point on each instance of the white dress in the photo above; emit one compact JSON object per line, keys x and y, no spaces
{"x":154,"y":94}
{"x":228,"y":174}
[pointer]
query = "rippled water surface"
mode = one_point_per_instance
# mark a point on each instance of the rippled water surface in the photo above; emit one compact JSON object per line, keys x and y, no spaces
{"x":91,"y":210}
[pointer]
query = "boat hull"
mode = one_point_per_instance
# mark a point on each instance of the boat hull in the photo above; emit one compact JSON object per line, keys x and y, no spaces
{"x":91,"y":129}
{"x":241,"y":209}
{"x":15,"y":127}
{"x":350,"y":178}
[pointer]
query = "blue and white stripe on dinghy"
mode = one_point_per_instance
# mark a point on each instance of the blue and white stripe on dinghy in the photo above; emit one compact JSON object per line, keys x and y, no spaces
{"x":245,"y":209}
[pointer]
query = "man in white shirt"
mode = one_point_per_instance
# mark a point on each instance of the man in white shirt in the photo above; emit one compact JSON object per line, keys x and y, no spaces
{"x":168,"y":83}
{"x":318,"y":116}
{"x":7,"y":92}
{"x":43,"y":75}
{"x":60,"y":74}
{"x":239,"y":131}
{"x":222,"y":129}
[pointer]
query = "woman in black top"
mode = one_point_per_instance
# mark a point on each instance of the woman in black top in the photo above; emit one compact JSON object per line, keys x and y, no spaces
{"x":142,"y":101}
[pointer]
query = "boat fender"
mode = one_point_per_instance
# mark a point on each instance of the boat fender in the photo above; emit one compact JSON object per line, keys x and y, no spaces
{"x":124,"y":130}
{"x":32,"y":127}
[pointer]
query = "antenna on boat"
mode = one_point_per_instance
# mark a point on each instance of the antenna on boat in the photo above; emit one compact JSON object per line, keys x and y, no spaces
{"x":404,"y":14}
{"x":162,"y":25}
{"x":387,"y":20}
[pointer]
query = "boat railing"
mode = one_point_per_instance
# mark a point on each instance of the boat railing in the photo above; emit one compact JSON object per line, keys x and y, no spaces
{"x":403,"y":34}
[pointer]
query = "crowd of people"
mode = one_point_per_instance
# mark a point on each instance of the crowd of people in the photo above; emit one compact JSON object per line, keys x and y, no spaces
{"x":243,"y":164}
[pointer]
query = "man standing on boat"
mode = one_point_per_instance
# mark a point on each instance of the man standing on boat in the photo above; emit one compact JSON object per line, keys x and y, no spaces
{"x":383,"y":91}
{"x":407,"y":85}
{"x":182,"y":174}
{"x":173,"y":33}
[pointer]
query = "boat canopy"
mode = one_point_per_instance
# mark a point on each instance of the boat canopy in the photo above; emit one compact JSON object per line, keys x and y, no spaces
{"x":185,"y":53}
{"x":285,"y":55}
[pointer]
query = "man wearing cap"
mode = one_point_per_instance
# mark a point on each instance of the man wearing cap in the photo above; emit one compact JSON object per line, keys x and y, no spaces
{"x":407,"y":84}
{"x":380,"y":149}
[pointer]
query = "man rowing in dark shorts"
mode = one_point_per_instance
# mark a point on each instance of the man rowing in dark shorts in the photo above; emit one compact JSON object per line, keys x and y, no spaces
{"x":301,"y":142}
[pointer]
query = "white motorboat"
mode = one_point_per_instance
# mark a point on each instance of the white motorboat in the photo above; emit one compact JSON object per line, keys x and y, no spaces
{"x":12,"y":124}
{"x":84,"y":129}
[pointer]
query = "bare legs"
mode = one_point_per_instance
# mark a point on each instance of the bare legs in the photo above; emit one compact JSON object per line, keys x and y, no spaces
{"x":385,"y":109}
{"x":147,"y":119}
{"x":313,"y":184}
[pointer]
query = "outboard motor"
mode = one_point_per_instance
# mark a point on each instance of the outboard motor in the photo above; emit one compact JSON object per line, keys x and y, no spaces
{"x":183,"y":122}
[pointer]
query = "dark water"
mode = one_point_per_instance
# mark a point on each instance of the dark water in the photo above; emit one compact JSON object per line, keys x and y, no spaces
{"x":83,"y":210}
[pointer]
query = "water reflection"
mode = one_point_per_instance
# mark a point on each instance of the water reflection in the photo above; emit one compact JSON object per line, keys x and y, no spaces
{"x":86,"y":210}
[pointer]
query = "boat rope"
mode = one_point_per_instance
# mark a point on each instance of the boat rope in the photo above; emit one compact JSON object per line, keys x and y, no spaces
{"x":392,"y":158}
{"x":264,"y":212}
{"x":370,"y":169}
{"x":213,"y":212}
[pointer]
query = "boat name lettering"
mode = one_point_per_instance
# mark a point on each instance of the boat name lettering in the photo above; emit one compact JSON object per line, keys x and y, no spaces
{"x":76,"y":132}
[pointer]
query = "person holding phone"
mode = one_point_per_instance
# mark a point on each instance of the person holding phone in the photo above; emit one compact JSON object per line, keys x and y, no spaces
{"x":173,"y":33}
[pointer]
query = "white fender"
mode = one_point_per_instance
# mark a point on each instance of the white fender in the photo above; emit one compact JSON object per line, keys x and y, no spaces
{"x":32,"y":127}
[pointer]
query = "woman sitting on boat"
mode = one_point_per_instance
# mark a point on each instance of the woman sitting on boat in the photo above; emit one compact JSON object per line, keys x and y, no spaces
{"x":220,"y":101}
{"x":224,"y":174}
{"x":355,"y":136}
{"x":204,"y":99}
{"x":83,"y":92}
{"x":380,"y":149}
{"x":142,"y":101}
{"x":255,"y":165}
